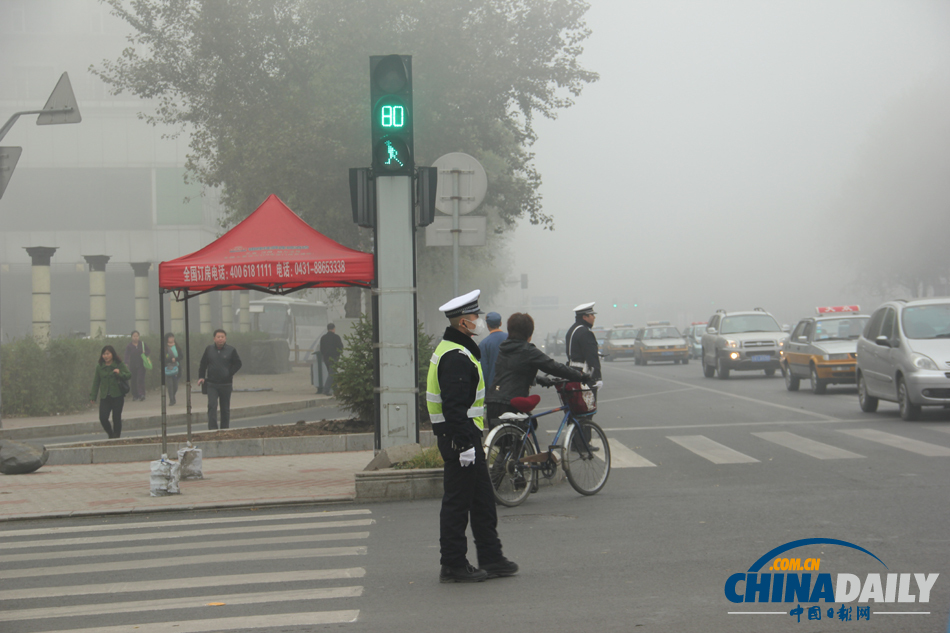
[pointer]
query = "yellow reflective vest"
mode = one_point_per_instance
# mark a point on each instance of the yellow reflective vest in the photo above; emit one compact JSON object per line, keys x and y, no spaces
{"x":476,"y":410}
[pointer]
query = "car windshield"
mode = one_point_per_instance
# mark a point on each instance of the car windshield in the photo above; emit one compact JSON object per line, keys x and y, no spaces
{"x":840,"y":329}
{"x":749,"y":323}
{"x":927,"y":321}
{"x":661,"y":332}
{"x":618,"y":334}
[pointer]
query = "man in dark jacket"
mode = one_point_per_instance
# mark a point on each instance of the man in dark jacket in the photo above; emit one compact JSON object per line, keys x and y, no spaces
{"x":455,"y":395}
{"x":217,"y":368}
{"x":331,"y":346}
{"x":581,"y":343}
{"x":517,"y":367}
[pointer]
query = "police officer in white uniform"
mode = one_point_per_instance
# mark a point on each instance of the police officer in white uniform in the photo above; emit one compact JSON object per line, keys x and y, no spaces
{"x":455,"y":397}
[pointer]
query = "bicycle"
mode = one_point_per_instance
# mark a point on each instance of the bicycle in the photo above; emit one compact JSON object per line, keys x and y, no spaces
{"x":514,"y":454}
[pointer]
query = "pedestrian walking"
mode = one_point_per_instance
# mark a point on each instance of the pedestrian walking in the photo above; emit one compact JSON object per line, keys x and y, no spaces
{"x":133,"y":357}
{"x":489,"y":346}
{"x":172,"y":368}
{"x":455,"y":397}
{"x":216,"y":370}
{"x":106,"y":386}
{"x":331,"y":347}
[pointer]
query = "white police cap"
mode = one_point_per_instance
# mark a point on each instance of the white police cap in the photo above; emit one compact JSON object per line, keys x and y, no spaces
{"x":585,"y":309}
{"x":466,"y":304}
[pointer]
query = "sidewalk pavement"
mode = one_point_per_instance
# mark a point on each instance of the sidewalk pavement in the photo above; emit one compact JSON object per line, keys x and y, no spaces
{"x":229,"y":482}
{"x":123,"y":488}
{"x":255,"y":394}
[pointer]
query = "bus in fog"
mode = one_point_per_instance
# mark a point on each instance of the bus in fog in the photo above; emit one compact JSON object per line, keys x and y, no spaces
{"x":301,"y":323}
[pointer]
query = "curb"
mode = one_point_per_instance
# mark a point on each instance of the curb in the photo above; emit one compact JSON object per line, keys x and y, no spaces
{"x":150,"y":422}
{"x":194,"y":507}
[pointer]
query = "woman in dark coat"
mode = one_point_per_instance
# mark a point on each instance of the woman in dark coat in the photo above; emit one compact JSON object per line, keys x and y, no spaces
{"x":106,"y":384}
{"x":133,"y":356}
{"x":517,"y":367}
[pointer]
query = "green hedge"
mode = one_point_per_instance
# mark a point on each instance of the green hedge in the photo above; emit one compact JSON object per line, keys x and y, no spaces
{"x":57,"y":380}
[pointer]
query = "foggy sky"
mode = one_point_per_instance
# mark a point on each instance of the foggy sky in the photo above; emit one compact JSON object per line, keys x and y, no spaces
{"x":699,"y":171}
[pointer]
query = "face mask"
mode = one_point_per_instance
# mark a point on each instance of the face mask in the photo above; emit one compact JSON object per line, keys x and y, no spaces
{"x":481,"y":328}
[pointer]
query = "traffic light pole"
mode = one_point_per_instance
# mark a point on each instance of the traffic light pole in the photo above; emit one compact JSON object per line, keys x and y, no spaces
{"x":395,"y":319}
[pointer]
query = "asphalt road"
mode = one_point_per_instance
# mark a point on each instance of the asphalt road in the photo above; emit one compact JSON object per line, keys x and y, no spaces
{"x":708,"y":477}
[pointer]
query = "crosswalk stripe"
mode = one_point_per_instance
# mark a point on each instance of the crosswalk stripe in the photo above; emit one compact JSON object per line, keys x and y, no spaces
{"x":179,"y":547}
{"x":189,"y":602}
{"x":186,"y":560}
{"x":623,"y":457}
{"x":897,"y":441}
{"x":195,"y":522}
{"x":223,"y":624}
{"x":118,"y":538}
{"x":713,"y":451}
{"x":807,"y":446}
{"x":166,"y":584}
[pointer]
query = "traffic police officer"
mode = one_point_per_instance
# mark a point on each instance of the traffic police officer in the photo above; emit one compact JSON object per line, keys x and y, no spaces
{"x":455,"y":397}
{"x":581,"y":343}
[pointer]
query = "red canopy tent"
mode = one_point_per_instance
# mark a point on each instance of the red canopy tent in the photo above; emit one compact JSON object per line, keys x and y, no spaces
{"x":272,"y":250}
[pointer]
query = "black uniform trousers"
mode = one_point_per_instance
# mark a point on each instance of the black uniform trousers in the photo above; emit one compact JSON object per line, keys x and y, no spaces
{"x":468,"y":494}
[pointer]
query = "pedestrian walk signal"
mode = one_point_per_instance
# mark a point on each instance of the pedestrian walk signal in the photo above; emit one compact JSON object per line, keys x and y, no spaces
{"x":391,"y":103}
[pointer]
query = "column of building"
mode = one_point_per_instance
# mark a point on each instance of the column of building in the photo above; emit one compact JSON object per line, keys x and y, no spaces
{"x":97,"y":294}
{"x":42,"y":303}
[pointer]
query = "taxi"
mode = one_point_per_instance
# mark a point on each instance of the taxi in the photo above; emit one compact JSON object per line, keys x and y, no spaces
{"x":660,"y":341}
{"x":823,"y":348}
{"x":619,"y":342}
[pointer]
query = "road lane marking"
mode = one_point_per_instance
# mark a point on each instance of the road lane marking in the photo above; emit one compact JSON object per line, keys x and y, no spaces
{"x":643,"y":395}
{"x":897,"y":441}
{"x":230,"y":557}
{"x":272,"y":622}
{"x":731,"y":395}
{"x":188,"y":602}
{"x":168,"y":584}
{"x":119,"y":538}
{"x":807,"y":446}
{"x":623,"y":457}
{"x":713,"y":451}
{"x":714,"y":425}
{"x":86,"y":529}
{"x":181,"y":547}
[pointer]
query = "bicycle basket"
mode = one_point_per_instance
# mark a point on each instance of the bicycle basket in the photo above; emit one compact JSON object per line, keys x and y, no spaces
{"x":577,"y":397}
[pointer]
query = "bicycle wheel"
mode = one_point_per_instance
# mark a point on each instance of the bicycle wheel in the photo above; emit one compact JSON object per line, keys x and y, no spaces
{"x":586,"y":464}
{"x":511,"y":479}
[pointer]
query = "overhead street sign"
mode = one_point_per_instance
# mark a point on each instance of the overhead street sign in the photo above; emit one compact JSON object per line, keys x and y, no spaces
{"x":62,"y":103}
{"x":8,"y":160}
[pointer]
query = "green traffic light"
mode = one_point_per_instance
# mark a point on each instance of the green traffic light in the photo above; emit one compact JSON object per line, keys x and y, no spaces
{"x":392,"y":116}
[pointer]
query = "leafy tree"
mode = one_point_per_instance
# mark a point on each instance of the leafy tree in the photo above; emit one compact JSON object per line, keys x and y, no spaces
{"x":275,"y":92}
{"x":353,"y":381}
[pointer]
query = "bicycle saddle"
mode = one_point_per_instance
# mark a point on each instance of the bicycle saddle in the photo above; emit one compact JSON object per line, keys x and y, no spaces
{"x":525,"y":405}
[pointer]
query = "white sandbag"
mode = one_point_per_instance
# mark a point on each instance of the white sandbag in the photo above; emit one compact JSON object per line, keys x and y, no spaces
{"x":164,"y":478}
{"x":190,"y":460}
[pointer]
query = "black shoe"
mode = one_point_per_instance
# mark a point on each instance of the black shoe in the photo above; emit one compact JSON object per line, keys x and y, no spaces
{"x":502,"y":568}
{"x":462,"y":574}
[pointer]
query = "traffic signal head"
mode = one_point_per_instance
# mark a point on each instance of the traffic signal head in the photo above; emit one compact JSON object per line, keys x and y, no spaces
{"x":390,"y":78}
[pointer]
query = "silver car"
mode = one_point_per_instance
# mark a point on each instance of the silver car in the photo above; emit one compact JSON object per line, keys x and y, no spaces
{"x":904,"y":356}
{"x":742,"y":341}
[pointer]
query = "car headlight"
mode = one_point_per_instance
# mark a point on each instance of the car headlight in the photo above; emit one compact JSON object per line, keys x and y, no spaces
{"x":922,"y":362}
{"x":781,"y":343}
{"x":732,"y":344}
{"x":838,"y":357}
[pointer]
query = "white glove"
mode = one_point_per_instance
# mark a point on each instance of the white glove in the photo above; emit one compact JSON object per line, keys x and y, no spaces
{"x":598,"y":384}
{"x":467,"y":458}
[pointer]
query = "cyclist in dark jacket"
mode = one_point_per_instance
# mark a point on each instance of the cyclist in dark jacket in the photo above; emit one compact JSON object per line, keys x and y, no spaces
{"x":517,"y":367}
